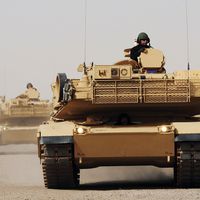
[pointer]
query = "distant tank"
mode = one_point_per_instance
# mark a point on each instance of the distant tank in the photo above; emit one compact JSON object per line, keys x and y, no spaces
{"x":119,"y":115}
{"x":20,"y":117}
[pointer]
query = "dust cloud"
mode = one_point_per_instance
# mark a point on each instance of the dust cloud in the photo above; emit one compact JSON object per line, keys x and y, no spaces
{"x":20,"y":166}
{"x":21,"y":178}
{"x":136,"y":175}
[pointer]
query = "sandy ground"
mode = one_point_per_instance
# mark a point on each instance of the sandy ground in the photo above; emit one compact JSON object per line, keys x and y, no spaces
{"x":21,"y":178}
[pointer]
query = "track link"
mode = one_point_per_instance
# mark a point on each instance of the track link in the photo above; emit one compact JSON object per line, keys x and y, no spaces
{"x":187,"y":168}
{"x":58,"y":166}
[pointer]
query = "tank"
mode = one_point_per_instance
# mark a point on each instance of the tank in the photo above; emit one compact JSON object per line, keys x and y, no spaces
{"x":21,"y":116}
{"x":123,"y":115}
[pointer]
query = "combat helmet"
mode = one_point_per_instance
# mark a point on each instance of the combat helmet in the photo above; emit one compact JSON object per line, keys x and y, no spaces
{"x":29,"y":85}
{"x":143,"y":36}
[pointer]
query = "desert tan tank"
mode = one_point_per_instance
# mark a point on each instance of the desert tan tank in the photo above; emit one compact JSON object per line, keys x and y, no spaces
{"x":20,"y":117}
{"x":119,"y":115}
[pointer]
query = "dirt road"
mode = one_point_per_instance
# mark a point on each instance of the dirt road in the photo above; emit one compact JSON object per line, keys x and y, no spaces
{"x":21,"y":178}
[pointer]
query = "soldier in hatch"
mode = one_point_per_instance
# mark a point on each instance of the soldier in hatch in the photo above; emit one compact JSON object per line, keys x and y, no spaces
{"x":31,"y":93}
{"x":143,"y":42}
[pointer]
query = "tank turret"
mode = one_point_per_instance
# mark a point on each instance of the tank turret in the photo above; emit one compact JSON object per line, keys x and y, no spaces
{"x":122,"y":88}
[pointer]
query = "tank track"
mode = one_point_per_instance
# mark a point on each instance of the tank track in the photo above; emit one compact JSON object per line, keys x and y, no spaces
{"x":58,"y":166}
{"x":187,"y":167}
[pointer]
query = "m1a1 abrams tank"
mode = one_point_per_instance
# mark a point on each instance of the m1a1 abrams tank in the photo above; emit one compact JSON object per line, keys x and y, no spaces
{"x":121,"y":115}
{"x":20,"y":117}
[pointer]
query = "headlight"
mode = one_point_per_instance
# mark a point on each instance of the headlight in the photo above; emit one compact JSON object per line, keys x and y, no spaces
{"x":80,"y":130}
{"x":3,"y":128}
{"x":165,"y":128}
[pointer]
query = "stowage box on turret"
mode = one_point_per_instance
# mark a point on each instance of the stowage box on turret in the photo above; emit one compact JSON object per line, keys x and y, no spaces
{"x":119,"y":115}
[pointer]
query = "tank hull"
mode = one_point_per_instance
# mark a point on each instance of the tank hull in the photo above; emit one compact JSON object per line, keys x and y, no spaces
{"x":176,"y":146}
{"x":20,"y":129}
{"x":122,"y":148}
{"x":19,"y":135}
{"x":20,"y":119}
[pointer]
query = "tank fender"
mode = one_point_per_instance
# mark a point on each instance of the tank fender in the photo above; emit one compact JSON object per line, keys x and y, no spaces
{"x":187,"y":131}
{"x":188,"y":138}
{"x":56,"y":133}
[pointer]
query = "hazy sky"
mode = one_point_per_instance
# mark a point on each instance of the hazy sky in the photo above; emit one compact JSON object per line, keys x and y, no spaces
{"x":40,"y":38}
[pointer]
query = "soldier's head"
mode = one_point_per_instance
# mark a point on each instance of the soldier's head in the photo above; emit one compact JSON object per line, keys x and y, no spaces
{"x":29,"y":85}
{"x":143,"y":39}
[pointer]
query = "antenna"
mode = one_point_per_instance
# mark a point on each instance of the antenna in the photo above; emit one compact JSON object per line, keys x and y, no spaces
{"x":85,"y":31}
{"x":187,"y":31}
{"x":4,"y":84}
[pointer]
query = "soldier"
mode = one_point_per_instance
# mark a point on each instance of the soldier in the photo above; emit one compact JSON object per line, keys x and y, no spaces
{"x":143,"y":42}
{"x":31,"y":92}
